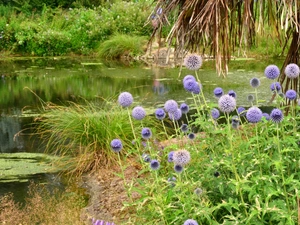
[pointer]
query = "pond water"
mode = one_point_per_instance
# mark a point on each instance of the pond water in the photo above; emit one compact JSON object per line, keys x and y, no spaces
{"x":25,"y":83}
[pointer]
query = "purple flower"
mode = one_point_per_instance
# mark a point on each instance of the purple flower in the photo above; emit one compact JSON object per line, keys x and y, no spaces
{"x":184,"y":108}
{"x":138,"y":113}
{"x":184,"y":128}
{"x":275,"y":85}
{"x":232,"y":93}
{"x":154,"y":164}
{"x":146,"y":157}
{"x":178,"y":168}
{"x":175,"y":115}
{"x":198,"y":191}
{"x":146,"y":133}
{"x":218,"y":92}
{"x":181,"y":157}
{"x":227,"y":103}
{"x":292,"y":71}
{"x":250,"y":98}
{"x":191,"y":136}
{"x":125,"y":99}
{"x":116,"y":145}
{"x":192,"y":62}
{"x":272,"y":72}
{"x":170,"y":156}
{"x":241,"y":111}
{"x":171,"y":106}
{"x":190,"y":222}
{"x":196,"y":88}
{"x":291,"y":94}
{"x":160,"y":114}
{"x":215,"y":113}
{"x":276,"y":115}
{"x":255,"y":82}
{"x":254,"y":114}
{"x":266,"y":116}
{"x":189,"y":85}
{"x":188,"y":77}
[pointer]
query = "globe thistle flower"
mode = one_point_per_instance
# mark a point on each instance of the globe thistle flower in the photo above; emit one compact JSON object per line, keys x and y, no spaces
{"x":276,"y":86}
{"x":235,"y":122}
{"x":170,"y":156}
{"x":198,"y":191}
{"x":154,"y":164}
{"x":232,"y":93}
{"x":178,"y":168}
{"x":292,"y":71}
{"x":188,"y":77}
{"x":146,"y":133}
{"x":266,"y":116}
{"x":255,"y":82}
{"x":250,"y":98}
{"x":291,"y":94}
{"x":276,"y":115}
{"x":146,"y":157}
{"x":116,"y":145}
{"x":175,"y":115}
{"x":227,"y":103}
{"x":193,"y":62}
{"x":171,"y":106}
{"x":235,"y":125}
{"x":218,"y":92}
{"x":189,"y":85}
{"x":190,"y":222}
{"x":138,"y":113}
{"x":181,"y":157}
{"x":125,"y":99}
{"x":184,"y":108}
{"x":184,"y":128}
{"x":272,"y":72}
{"x":215,"y":113}
{"x":241,"y":111}
{"x":160,"y":114}
{"x":196,"y":88}
{"x":191,"y":136}
{"x":254,"y":114}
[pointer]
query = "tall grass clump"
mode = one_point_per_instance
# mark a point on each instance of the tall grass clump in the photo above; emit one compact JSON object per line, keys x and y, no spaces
{"x":230,"y":167}
{"x":121,"y":45}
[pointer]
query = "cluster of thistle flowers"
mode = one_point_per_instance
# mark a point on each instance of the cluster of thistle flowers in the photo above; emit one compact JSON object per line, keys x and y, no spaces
{"x":100,"y":222}
{"x":227,"y":102}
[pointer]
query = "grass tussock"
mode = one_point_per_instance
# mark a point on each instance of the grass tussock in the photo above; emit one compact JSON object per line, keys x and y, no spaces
{"x":121,"y":45}
{"x":42,"y":207}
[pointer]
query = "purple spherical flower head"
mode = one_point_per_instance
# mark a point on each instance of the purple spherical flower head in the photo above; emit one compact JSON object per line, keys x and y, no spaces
{"x":189,"y":85}
{"x":254,"y":114}
{"x":181,"y":157}
{"x":292,"y":71}
{"x":116,"y":145}
{"x":218,"y":92}
{"x":178,"y":168}
{"x":184,"y":108}
{"x":250,"y":98}
{"x":146,"y":157}
{"x":190,"y":222}
{"x":191,"y":136}
{"x":188,"y":77}
{"x":272,"y":72}
{"x":255,"y":82}
{"x":227,"y":103}
{"x":215,"y":114}
{"x":125,"y":99}
{"x":266,"y":116}
{"x":171,"y":106}
{"x":232,"y":93}
{"x":160,"y":114}
{"x":276,"y":115}
{"x":193,"y":62}
{"x":138,"y":113}
{"x":184,"y":128}
{"x":175,"y":115}
{"x":154,"y":164}
{"x":146,"y":133}
{"x":291,"y":94}
{"x":241,"y":111}
{"x":170,"y":156}
{"x":196,"y":88}
{"x":275,"y":85}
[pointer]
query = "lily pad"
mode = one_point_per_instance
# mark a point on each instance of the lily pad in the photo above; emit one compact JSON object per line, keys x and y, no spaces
{"x":23,"y":166}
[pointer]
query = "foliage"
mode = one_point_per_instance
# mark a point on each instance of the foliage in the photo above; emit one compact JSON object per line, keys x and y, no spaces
{"x":122,"y":45}
{"x":43,"y":207}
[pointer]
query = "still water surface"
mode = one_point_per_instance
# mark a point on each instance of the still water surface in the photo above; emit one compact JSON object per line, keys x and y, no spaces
{"x":24,"y":84}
